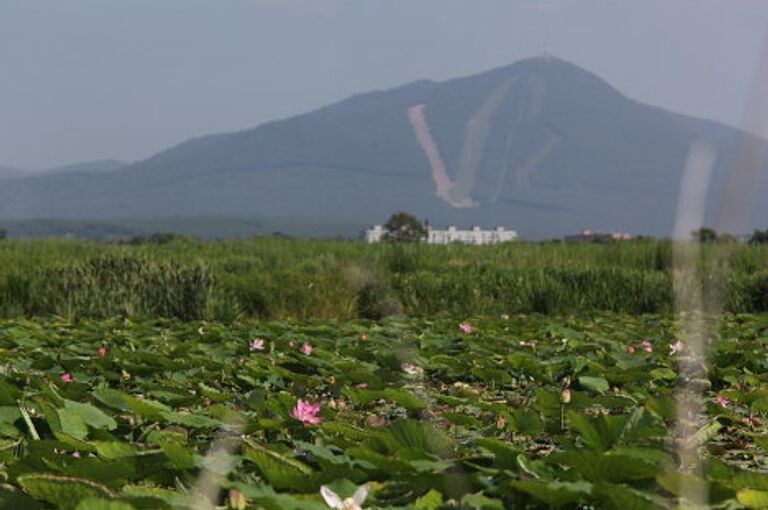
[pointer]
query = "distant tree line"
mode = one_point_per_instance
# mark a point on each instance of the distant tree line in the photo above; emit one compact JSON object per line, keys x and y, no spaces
{"x":759,"y":237}
{"x":156,"y":239}
{"x":710,"y":235}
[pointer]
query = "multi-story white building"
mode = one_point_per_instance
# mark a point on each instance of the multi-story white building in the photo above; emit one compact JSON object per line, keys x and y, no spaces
{"x":451,"y":235}
{"x":375,"y":234}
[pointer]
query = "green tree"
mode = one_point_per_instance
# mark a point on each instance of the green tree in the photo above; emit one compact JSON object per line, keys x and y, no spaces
{"x":705,"y":235}
{"x":759,"y":237}
{"x":3,"y":233}
{"x":404,"y":228}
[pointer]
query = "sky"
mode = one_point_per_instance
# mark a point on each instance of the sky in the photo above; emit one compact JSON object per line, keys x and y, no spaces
{"x":123,"y":79}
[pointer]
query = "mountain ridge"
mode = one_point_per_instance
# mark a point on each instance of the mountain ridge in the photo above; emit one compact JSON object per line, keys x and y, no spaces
{"x":99,"y":165}
{"x":540,"y":145}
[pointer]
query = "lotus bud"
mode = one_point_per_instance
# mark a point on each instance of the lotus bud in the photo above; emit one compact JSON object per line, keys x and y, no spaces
{"x":237,"y":500}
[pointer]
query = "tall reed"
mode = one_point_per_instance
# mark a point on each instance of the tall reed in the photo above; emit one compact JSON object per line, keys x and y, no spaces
{"x":272,"y":278}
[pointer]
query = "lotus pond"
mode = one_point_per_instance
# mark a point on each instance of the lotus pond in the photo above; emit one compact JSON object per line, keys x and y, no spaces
{"x":517,"y":412}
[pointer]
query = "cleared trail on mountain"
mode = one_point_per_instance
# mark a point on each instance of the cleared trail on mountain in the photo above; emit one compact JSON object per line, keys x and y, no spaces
{"x":443,"y":183}
{"x":475,"y":140}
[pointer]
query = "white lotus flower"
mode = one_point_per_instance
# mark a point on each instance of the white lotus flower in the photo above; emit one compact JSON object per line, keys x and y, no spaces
{"x":354,"y":503}
{"x":411,"y":369}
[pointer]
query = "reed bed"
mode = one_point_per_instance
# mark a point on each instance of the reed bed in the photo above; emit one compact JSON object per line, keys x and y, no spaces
{"x":273,"y":278}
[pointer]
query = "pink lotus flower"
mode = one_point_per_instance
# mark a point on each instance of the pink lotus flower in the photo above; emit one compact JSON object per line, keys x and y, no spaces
{"x":306,"y":348}
{"x":66,"y":378}
{"x":676,"y":347}
{"x":752,"y":420}
{"x":647,"y":346}
{"x":466,"y":327}
{"x":76,"y":454}
{"x":722,"y":400}
{"x":363,"y":335}
{"x":306,"y":412}
{"x":630,"y":349}
{"x":102,"y":351}
{"x":257,"y":345}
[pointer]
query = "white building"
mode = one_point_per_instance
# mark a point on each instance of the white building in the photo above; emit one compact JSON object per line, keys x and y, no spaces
{"x":476,"y":235}
{"x":375,"y":234}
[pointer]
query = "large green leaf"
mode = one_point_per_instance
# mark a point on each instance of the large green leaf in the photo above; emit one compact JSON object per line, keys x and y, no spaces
{"x":389,"y":464}
{"x":9,"y":393}
{"x":555,"y":494}
{"x":622,"y":497}
{"x":75,"y":418}
{"x":145,"y":408}
{"x":752,"y":498}
{"x":505,"y":454}
{"x":429,"y":501}
{"x":63,"y":492}
{"x":605,"y":467}
{"x":400,"y":396}
{"x":114,"y":449}
{"x":735,"y":478}
{"x":265,"y":497}
{"x":596,"y":384}
{"x":697,"y":489}
{"x":152,"y":498}
{"x":182,"y":457}
{"x":195,"y":421}
{"x":12,"y":499}
{"x":481,"y":502}
{"x":281,"y":471}
{"x":103,"y":504}
{"x":72,"y":423}
{"x":416,"y":436}
{"x":526,"y":421}
{"x":91,"y":415}
{"x":598,"y":432}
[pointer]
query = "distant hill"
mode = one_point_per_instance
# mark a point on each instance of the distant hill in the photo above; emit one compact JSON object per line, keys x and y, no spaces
{"x":102,"y":165}
{"x":541,"y":145}
{"x":207,"y":227}
{"x":7,"y":172}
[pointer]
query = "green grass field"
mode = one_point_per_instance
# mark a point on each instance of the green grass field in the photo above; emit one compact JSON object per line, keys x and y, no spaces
{"x":269,"y":278}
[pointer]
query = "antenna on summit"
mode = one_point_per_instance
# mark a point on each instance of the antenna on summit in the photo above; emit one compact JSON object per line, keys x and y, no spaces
{"x":548,"y":50}
{"x":548,"y":43}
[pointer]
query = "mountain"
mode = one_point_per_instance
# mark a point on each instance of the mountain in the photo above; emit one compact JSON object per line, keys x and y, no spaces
{"x":7,"y":172}
{"x":101,"y":165}
{"x":541,"y":145}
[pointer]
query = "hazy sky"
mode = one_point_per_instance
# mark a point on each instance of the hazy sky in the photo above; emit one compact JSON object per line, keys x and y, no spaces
{"x":91,"y":79}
